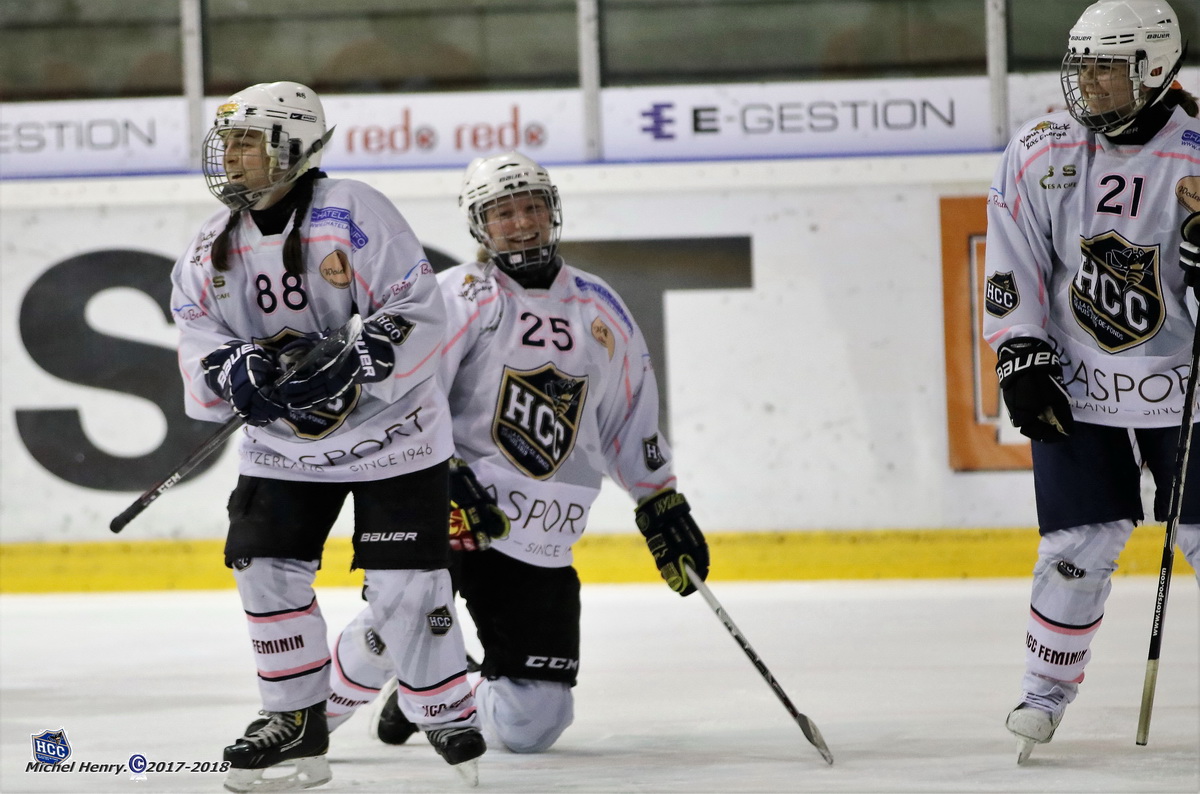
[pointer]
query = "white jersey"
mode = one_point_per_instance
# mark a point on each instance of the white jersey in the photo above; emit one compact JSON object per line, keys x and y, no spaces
{"x":550,"y":389}
{"x":361,"y":256}
{"x":1083,"y":252}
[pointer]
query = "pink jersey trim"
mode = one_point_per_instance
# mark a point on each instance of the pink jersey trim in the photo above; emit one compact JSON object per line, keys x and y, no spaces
{"x":474,"y":316}
{"x":1016,"y":208}
{"x":187,"y":376}
{"x":451,"y":684}
{"x":327,"y":238}
{"x":607,"y":315}
{"x":281,"y":616}
{"x":341,"y":674}
{"x":437,"y":351}
{"x":1062,"y":629}
{"x":375,"y":302}
{"x":1176,"y":156}
{"x":667,"y":483}
{"x":304,"y":668}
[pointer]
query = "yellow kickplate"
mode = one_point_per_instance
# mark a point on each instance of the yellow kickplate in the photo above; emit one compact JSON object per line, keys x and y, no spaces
{"x":745,"y":556}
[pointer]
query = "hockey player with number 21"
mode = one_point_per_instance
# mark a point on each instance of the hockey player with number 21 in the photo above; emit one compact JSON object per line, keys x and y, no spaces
{"x":292,"y":257}
{"x":1093,"y":237}
{"x":550,"y":387}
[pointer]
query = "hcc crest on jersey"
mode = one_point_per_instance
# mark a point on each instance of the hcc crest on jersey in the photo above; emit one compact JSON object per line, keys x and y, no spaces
{"x":320,"y":421}
{"x":1116,"y":295}
{"x":537,"y":417}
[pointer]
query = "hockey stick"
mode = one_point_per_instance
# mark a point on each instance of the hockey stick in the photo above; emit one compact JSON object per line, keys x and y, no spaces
{"x":1168,"y":555}
{"x":806,"y":725}
{"x":330,"y":351}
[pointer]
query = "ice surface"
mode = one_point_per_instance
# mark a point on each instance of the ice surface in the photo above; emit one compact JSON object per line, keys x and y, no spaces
{"x":909,"y":682}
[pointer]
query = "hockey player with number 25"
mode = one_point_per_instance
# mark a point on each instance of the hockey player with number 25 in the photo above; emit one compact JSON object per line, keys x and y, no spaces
{"x":292,"y":257}
{"x":550,"y":387}
{"x":1093,"y":238}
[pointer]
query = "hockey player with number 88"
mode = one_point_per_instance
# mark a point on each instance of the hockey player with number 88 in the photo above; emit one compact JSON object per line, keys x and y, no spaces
{"x":1093,"y":228}
{"x":293,"y":255}
{"x":550,"y":387}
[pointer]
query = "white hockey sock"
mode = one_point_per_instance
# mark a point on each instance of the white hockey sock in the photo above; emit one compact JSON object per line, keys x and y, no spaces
{"x":1071,"y":581}
{"x":415,"y":615}
{"x":287,"y":631}
{"x":361,"y":667}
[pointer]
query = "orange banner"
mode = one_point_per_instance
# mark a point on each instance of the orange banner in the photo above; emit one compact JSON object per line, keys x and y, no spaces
{"x":973,"y":407}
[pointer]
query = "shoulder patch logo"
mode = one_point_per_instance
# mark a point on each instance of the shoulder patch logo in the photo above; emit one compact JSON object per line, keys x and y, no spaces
{"x":607,"y":298}
{"x":335,"y":269}
{"x":1000,"y":294}
{"x":339,"y":218}
{"x":537,"y":417}
{"x":1043,"y":130}
{"x":1187,"y":190}
{"x":473,"y":286}
{"x":652,"y":453}
{"x":1116,"y":295}
{"x":604,"y":335}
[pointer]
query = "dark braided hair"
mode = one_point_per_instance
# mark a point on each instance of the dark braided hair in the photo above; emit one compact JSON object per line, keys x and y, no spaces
{"x":293,"y":253}
{"x":295,"y":204}
{"x":220,"y":246}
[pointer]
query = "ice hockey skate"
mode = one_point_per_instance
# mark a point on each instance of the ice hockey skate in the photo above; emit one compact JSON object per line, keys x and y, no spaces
{"x":388,"y":723}
{"x":283,"y":752}
{"x":1031,"y":726}
{"x":461,"y":748}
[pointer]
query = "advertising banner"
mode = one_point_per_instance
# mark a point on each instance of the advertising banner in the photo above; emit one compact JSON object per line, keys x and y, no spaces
{"x":149,"y":136}
{"x":796,"y":119}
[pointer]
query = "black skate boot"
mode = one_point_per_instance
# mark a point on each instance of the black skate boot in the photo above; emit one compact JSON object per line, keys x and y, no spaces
{"x":292,"y":744}
{"x":388,"y":723}
{"x":461,"y":748}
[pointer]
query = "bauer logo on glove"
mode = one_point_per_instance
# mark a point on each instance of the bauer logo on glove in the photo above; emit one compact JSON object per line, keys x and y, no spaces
{"x":1031,"y":382}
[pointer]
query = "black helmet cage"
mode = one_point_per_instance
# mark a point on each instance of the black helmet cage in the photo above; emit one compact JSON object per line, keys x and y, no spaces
{"x":1118,"y":117}
{"x":527,"y":258}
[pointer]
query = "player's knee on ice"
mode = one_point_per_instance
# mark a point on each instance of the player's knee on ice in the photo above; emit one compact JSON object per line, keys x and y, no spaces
{"x":524,"y":715}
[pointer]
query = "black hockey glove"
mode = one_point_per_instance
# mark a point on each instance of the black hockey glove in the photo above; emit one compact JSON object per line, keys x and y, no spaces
{"x":665,"y":520}
{"x":321,"y":381}
{"x":1189,"y":252}
{"x":243,"y":375}
{"x":1032,"y":383}
{"x":376,"y":348}
{"x":475,"y":518}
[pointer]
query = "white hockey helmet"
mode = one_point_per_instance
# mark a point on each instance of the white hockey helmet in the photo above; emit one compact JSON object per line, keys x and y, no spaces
{"x":508,"y":176}
{"x":1140,"y":38}
{"x":292,"y":122}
